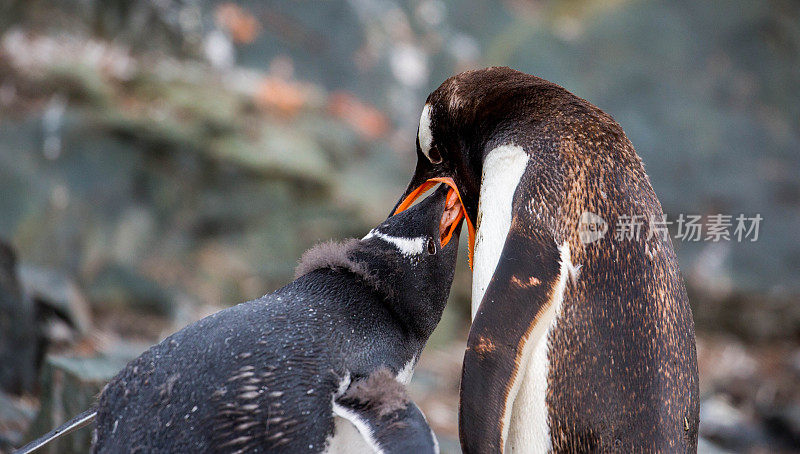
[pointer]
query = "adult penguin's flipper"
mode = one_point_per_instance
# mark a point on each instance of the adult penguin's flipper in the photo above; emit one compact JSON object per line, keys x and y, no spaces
{"x":384,"y":415}
{"x":512,"y":318}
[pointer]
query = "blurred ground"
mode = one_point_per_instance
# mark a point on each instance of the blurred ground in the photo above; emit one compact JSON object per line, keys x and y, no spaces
{"x":162,"y":159}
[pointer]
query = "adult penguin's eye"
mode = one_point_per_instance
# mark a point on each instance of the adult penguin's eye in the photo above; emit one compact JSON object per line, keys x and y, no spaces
{"x":434,"y":155}
{"x":431,"y":246}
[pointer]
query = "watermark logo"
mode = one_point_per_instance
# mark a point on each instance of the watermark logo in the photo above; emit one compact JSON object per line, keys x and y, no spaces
{"x":591,"y":227}
{"x":689,"y":227}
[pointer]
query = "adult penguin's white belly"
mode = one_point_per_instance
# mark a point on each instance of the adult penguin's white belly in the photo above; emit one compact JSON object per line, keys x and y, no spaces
{"x":529,"y":429}
{"x":528,"y":425}
{"x":502,"y":171}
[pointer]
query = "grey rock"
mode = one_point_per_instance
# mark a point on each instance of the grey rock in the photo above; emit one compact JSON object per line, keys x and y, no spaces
{"x":728,"y":427}
{"x":18,"y":329}
{"x":70,"y":385}
{"x":15,"y":415}
{"x":706,"y":447}
{"x":53,"y":290}
{"x":122,"y":287}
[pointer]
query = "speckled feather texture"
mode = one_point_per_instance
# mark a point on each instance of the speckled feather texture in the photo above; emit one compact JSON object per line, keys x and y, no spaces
{"x":620,"y":357}
{"x":263,"y":376}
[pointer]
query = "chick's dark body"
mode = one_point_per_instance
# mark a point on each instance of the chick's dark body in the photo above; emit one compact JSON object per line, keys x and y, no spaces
{"x":255,"y":375}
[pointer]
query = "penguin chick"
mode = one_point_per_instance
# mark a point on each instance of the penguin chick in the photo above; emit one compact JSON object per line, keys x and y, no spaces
{"x":286,"y":372}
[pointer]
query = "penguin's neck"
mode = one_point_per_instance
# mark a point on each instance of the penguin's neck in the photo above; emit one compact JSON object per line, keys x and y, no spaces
{"x":503,"y":168}
{"x":382,"y":274}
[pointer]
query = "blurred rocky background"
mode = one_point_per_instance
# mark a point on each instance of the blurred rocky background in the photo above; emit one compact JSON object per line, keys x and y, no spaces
{"x":161,"y":159}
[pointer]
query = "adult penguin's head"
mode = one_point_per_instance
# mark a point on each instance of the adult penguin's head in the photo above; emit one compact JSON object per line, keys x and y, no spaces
{"x":462,"y":120}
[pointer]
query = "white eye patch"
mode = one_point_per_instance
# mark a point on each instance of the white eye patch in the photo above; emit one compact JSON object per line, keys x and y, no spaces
{"x":406,"y":246}
{"x":425,"y":134}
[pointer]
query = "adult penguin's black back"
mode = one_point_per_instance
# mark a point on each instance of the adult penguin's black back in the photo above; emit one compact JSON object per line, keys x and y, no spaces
{"x":582,"y":339}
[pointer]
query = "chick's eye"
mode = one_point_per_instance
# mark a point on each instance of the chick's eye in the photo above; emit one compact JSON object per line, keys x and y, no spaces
{"x":431,"y":246}
{"x":434,"y":155}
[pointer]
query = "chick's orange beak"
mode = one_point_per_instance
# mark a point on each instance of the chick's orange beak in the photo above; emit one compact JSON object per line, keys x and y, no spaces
{"x":451,"y":218}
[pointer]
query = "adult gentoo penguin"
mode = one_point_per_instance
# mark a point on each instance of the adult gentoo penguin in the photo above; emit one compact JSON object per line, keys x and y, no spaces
{"x":286,"y":372}
{"x":579,"y":342}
